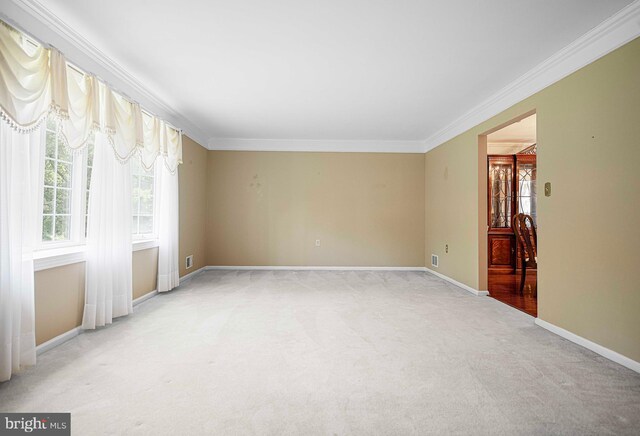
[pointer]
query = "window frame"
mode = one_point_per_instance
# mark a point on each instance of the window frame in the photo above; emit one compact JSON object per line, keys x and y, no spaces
{"x":78,"y":180}
{"x":49,"y":254}
{"x":140,"y":237}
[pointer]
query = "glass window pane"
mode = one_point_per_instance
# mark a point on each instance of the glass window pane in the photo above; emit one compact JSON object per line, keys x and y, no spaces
{"x":47,"y":228}
{"x":47,"y":206}
{"x":89,"y":171}
{"x":134,"y":225}
{"x":146,"y":205}
{"x":57,"y":190}
{"x":63,"y":227}
{"x":146,"y":184}
{"x":90,"y":153}
{"x":64,"y":174}
{"x":146,"y":224}
{"x":64,"y":152}
{"x":49,"y":172}
{"x":135,"y":165}
{"x":63,"y":201}
{"x":51,"y":145}
{"x":135,"y":200}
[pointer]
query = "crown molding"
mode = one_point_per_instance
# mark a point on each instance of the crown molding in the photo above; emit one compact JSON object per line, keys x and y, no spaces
{"x":35,"y":19}
{"x":612,"y":33}
{"x":316,"y":145}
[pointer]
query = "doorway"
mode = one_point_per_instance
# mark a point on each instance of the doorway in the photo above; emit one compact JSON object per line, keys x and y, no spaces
{"x":511,"y":171}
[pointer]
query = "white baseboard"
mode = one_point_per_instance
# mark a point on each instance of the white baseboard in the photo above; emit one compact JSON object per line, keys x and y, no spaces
{"x":457,"y":283}
{"x":191,"y":275}
{"x":58,"y":340}
{"x":316,"y":268}
{"x":64,"y":337}
{"x":145,"y":297}
{"x":586,"y":343}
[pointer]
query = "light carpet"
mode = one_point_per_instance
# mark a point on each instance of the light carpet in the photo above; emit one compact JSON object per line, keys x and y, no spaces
{"x":327,"y":352}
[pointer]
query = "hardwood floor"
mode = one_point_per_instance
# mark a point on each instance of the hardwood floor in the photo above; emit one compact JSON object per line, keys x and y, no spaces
{"x":506,"y":288}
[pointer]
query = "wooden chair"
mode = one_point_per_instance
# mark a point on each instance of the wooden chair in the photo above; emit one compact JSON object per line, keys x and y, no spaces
{"x":526,"y":239}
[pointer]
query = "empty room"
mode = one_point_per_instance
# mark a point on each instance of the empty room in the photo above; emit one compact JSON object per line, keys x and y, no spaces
{"x":319,"y":217}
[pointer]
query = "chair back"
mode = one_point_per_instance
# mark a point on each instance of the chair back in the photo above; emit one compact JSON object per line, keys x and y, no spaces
{"x":526,"y":237}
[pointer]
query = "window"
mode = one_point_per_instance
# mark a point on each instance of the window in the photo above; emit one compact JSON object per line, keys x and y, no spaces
{"x":58,"y":184}
{"x":65,"y":184}
{"x":89,"y":164}
{"x":66,"y":179}
{"x":143,"y":204}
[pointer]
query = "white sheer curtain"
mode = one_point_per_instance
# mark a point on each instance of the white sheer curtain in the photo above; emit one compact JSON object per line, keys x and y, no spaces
{"x":19,"y":199}
{"x":36,"y":81}
{"x":168,"y":269}
{"x":109,"y":285}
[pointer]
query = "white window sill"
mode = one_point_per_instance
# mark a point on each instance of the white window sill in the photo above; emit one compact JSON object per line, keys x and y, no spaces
{"x":55,"y":257}
{"x":145,"y":244}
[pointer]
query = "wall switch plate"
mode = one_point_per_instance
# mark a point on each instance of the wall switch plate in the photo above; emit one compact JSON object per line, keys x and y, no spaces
{"x":317,"y":242}
{"x":547,"y":189}
{"x":188,"y":263}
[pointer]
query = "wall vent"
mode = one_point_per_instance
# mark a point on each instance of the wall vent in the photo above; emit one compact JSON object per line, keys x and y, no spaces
{"x":434,"y":260}
{"x":189,"y":262}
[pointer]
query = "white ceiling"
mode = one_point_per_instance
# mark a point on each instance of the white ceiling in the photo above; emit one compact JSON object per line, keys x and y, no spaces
{"x":328,"y":70}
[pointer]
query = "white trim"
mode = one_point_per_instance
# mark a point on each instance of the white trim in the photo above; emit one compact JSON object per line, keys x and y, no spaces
{"x":55,"y":257}
{"x":185,"y":278}
{"x":145,"y":297}
{"x":58,"y":340}
{"x":457,"y":283}
{"x":612,"y":33}
{"x":145,"y":244}
{"x":317,"y":145}
{"x":599,"y":349}
{"x":64,"y":337}
{"x":45,"y":26}
{"x":315,"y":268}
{"x":45,"y":259}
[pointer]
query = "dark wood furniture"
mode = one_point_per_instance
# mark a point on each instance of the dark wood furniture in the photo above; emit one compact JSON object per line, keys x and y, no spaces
{"x":526,"y":238}
{"x":511,"y":190}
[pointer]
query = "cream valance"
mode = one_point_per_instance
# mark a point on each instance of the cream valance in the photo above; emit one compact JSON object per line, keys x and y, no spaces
{"x":36,"y":81}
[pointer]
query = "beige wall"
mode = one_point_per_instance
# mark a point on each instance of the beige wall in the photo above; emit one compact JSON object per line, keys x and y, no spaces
{"x":193,"y":199}
{"x":59,"y":296}
{"x":145,"y":272}
{"x":268,"y":208}
{"x":589,"y":149}
{"x":59,"y":300}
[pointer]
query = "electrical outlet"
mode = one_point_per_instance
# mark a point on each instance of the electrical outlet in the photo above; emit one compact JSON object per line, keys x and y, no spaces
{"x":188,"y":263}
{"x":446,"y":248}
{"x":317,"y":242}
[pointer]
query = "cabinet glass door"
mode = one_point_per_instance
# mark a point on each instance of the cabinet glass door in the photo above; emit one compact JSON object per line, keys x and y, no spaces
{"x":527,"y":192}
{"x":501,"y":185}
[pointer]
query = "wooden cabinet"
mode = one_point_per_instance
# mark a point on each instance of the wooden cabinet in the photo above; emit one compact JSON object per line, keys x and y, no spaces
{"x":501,"y":251}
{"x":511,"y":189}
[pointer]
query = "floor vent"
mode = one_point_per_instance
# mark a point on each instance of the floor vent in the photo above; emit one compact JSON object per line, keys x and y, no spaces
{"x":434,"y":260}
